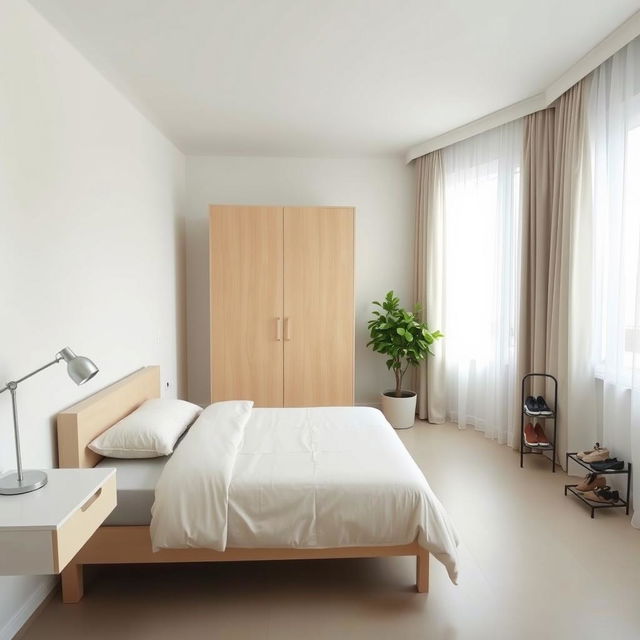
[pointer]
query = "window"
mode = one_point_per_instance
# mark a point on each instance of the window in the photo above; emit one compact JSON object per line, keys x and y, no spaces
{"x":482,"y":258}
{"x":481,"y":245}
{"x":615,"y":133}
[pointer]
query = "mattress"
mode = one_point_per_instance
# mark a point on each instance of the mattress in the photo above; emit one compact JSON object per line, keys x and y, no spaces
{"x":136,"y":483}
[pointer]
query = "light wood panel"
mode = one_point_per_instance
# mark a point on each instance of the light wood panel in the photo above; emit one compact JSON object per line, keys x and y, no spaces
{"x":246,"y":304}
{"x":422,"y":571}
{"x":81,"y":525}
{"x":83,"y":422}
{"x":72,"y":582}
{"x":132,"y":545}
{"x":318,"y":306}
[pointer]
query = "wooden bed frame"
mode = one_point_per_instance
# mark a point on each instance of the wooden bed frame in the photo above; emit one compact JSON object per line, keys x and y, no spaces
{"x":81,"y":423}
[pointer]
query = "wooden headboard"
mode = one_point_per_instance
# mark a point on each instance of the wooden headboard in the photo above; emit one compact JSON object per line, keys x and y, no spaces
{"x":83,"y":422}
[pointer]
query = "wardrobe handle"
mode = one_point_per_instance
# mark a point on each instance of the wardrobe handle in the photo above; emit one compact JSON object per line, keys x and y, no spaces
{"x":278,"y":329}
{"x":287,"y":332}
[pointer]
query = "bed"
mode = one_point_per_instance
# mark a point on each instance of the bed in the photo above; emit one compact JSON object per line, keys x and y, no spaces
{"x":256,"y":503}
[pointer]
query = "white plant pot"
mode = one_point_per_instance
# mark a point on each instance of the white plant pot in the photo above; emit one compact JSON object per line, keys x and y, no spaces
{"x":400,"y":412}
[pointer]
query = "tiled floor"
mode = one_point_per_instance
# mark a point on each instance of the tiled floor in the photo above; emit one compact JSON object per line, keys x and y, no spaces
{"x":533,"y":565}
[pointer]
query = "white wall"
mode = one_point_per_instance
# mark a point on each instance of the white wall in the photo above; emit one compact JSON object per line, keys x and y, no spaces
{"x":382,"y":190}
{"x":91,"y":236}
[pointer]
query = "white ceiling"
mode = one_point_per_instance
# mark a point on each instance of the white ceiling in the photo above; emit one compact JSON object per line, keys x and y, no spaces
{"x":328,"y":77}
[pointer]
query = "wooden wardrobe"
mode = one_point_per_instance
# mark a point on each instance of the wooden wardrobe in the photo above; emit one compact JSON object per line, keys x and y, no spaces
{"x":282,"y":305}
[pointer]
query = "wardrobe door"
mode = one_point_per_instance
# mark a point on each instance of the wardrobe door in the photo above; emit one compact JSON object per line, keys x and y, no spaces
{"x":318,"y":306}
{"x":246,"y":304}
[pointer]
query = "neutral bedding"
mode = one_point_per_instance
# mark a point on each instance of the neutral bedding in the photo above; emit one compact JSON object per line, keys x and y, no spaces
{"x":300,"y":478}
{"x":136,"y":480}
{"x":150,"y":431}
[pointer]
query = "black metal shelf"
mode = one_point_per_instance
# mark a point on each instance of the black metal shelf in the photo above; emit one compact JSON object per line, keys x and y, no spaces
{"x":526,"y":449}
{"x":574,"y":456}
{"x":595,"y":505}
{"x":598,"y":505}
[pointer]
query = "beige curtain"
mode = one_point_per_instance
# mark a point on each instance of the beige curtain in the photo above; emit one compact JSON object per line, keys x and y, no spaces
{"x":428,"y":280}
{"x":537,"y":195}
{"x":553,"y":334}
{"x":570,"y":262}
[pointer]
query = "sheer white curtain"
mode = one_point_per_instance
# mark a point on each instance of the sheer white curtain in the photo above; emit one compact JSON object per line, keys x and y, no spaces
{"x":481,"y":249}
{"x":614,"y":131}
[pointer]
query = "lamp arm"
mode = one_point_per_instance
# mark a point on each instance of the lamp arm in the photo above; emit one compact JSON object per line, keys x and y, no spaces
{"x":14,"y":383}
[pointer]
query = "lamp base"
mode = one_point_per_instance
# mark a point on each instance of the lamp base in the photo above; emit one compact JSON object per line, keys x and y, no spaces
{"x":31,"y":480}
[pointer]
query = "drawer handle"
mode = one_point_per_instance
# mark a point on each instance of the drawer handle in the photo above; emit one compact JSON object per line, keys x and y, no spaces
{"x":91,"y":500}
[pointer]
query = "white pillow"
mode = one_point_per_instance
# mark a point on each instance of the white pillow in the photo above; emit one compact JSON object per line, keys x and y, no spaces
{"x":150,"y":431}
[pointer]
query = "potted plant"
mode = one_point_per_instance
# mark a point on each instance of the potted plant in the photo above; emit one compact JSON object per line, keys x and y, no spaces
{"x":406,"y":340}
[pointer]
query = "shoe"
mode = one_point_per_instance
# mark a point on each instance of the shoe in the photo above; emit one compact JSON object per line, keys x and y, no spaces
{"x":530,"y":436}
{"x":543,"y":409}
{"x":608,"y":494}
{"x":531,"y":406}
{"x":592,"y":496}
{"x":597,"y":447}
{"x":543,"y":441}
{"x":612,"y":464}
{"x":599,"y":455}
{"x":590,"y":482}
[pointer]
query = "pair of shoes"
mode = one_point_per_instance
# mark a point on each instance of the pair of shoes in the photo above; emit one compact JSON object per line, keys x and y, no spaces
{"x":610,"y":464}
{"x":597,"y":454}
{"x":590,"y":482}
{"x":602,"y":495}
{"x":535,"y":436}
{"x":536,"y":407}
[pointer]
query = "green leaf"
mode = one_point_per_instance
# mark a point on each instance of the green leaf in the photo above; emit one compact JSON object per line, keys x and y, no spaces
{"x":399,"y":334}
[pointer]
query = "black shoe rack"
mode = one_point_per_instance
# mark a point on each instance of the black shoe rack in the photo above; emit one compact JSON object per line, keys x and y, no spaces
{"x":525,"y":448}
{"x":598,"y":505}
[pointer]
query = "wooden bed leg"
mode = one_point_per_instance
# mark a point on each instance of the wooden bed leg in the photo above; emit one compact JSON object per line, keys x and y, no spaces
{"x":72,"y":583}
{"x":422,"y":572}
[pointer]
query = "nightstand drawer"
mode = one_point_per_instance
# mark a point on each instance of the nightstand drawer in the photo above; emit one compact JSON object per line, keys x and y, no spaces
{"x":82,"y":524}
{"x":41,"y":531}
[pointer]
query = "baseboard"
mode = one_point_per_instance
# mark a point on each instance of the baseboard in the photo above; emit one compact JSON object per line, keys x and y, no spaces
{"x":24,"y":614}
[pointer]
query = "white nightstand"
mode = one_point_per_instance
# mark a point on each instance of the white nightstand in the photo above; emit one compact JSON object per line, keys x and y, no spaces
{"x":41,"y":531}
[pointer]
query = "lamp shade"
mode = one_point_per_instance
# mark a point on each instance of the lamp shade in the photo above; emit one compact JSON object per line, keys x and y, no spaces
{"x":79,"y":368}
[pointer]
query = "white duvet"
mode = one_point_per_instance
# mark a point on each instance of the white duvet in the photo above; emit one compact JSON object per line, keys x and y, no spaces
{"x":310,"y":477}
